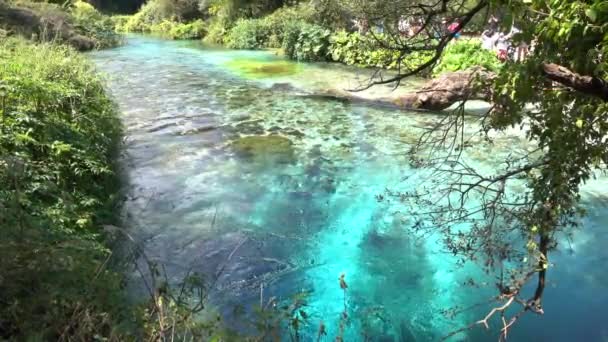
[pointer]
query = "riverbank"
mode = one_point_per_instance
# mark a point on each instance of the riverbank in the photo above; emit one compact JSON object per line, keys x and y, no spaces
{"x":304,"y":32}
{"x":59,"y":142}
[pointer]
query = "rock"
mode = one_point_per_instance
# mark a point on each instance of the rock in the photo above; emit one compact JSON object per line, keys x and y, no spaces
{"x":265,"y":148}
{"x":29,"y":23}
{"x":250,"y":127}
{"x":283,"y":87}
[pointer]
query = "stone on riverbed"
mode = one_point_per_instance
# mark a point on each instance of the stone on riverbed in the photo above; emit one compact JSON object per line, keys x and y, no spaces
{"x":265,"y":148}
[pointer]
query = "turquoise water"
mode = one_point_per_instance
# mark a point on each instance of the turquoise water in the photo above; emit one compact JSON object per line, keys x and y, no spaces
{"x":292,"y":212}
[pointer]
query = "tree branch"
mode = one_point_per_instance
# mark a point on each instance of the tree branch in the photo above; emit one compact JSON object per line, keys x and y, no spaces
{"x":590,"y":85}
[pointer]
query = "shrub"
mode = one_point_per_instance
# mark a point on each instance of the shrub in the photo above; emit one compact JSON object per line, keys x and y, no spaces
{"x":266,"y":32}
{"x":149,"y":14}
{"x":357,"y":49}
{"x":92,"y":23}
{"x":120,"y":22}
{"x":248,"y":34}
{"x":192,"y":30}
{"x":306,"y":42}
{"x":181,"y":31}
{"x":464,"y":54}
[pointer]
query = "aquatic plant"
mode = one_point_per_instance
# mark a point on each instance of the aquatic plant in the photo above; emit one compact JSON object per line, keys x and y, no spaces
{"x":260,"y":69}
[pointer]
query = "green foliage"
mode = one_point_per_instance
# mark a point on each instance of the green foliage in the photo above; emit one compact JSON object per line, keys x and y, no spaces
{"x":248,"y":34}
{"x":88,"y":21}
{"x":192,"y":30}
{"x":58,"y":141}
{"x":156,"y":12}
{"x":148,"y":15}
{"x":75,"y":23}
{"x":155,"y":17}
{"x":464,"y":54}
{"x":269,"y":31}
{"x":181,"y":31}
{"x":224,"y":14}
{"x":51,"y":96}
{"x":306,"y":42}
{"x":365,"y":51}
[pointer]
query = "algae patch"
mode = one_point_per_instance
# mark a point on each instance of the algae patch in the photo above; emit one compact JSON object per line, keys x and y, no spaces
{"x":263,"y":69}
{"x":265,"y":148}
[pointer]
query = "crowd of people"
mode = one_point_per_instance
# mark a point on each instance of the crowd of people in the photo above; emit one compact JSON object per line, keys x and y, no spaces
{"x":492,"y":38}
{"x":502,"y":43}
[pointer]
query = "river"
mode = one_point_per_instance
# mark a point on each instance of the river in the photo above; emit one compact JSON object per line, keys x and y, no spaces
{"x":234,"y":174}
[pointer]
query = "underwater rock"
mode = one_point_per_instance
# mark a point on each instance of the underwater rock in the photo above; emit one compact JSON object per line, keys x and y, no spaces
{"x":285,"y":87}
{"x":250,"y":127}
{"x":265,"y":147}
{"x":294,"y":133}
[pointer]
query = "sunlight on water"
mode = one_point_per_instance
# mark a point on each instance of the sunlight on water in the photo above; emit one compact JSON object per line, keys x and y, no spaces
{"x":222,"y":163}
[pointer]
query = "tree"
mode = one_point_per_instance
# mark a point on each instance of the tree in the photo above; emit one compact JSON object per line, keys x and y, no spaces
{"x":558,"y":96}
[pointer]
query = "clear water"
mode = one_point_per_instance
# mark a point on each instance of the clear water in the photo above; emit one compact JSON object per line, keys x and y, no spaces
{"x":294,"y":214}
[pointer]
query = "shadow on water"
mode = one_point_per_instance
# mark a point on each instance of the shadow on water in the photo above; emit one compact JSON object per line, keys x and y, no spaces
{"x":254,"y":186}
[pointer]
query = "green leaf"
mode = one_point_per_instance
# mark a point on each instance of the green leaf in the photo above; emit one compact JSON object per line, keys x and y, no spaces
{"x":579,"y":123}
{"x":591,"y":14}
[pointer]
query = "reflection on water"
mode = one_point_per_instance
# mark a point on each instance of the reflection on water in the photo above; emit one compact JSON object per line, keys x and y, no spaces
{"x":221,"y":164}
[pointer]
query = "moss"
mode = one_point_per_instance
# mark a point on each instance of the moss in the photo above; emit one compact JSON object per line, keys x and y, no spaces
{"x":263,"y":69}
{"x":265,"y":148}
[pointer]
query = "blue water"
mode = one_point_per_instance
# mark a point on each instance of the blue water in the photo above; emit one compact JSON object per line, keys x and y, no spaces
{"x":293,"y":214}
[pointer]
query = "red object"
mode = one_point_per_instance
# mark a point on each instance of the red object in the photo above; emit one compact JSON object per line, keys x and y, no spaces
{"x":502,"y":55}
{"x":454,"y":27}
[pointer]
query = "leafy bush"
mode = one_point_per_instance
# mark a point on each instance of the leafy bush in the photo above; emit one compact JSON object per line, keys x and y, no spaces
{"x":175,"y":30}
{"x":165,"y":18}
{"x":357,"y":49}
{"x":464,"y":54}
{"x":58,"y":142}
{"x":192,"y":30}
{"x":306,"y":42}
{"x":151,"y":13}
{"x":120,"y":22}
{"x":266,"y":32}
{"x":248,"y":34}
{"x":93,"y":24}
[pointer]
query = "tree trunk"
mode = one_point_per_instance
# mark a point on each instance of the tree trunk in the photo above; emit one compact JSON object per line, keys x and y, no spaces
{"x":449,"y":88}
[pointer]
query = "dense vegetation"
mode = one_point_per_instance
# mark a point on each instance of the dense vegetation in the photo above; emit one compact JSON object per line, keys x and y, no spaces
{"x":58,"y":140}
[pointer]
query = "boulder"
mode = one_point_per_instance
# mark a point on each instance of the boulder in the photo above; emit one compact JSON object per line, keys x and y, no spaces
{"x":28,"y":23}
{"x":264,"y":148}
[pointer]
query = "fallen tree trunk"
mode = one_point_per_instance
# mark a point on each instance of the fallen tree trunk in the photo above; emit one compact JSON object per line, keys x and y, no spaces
{"x":435,"y":95}
{"x":472,"y":84}
{"x":449,"y":88}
